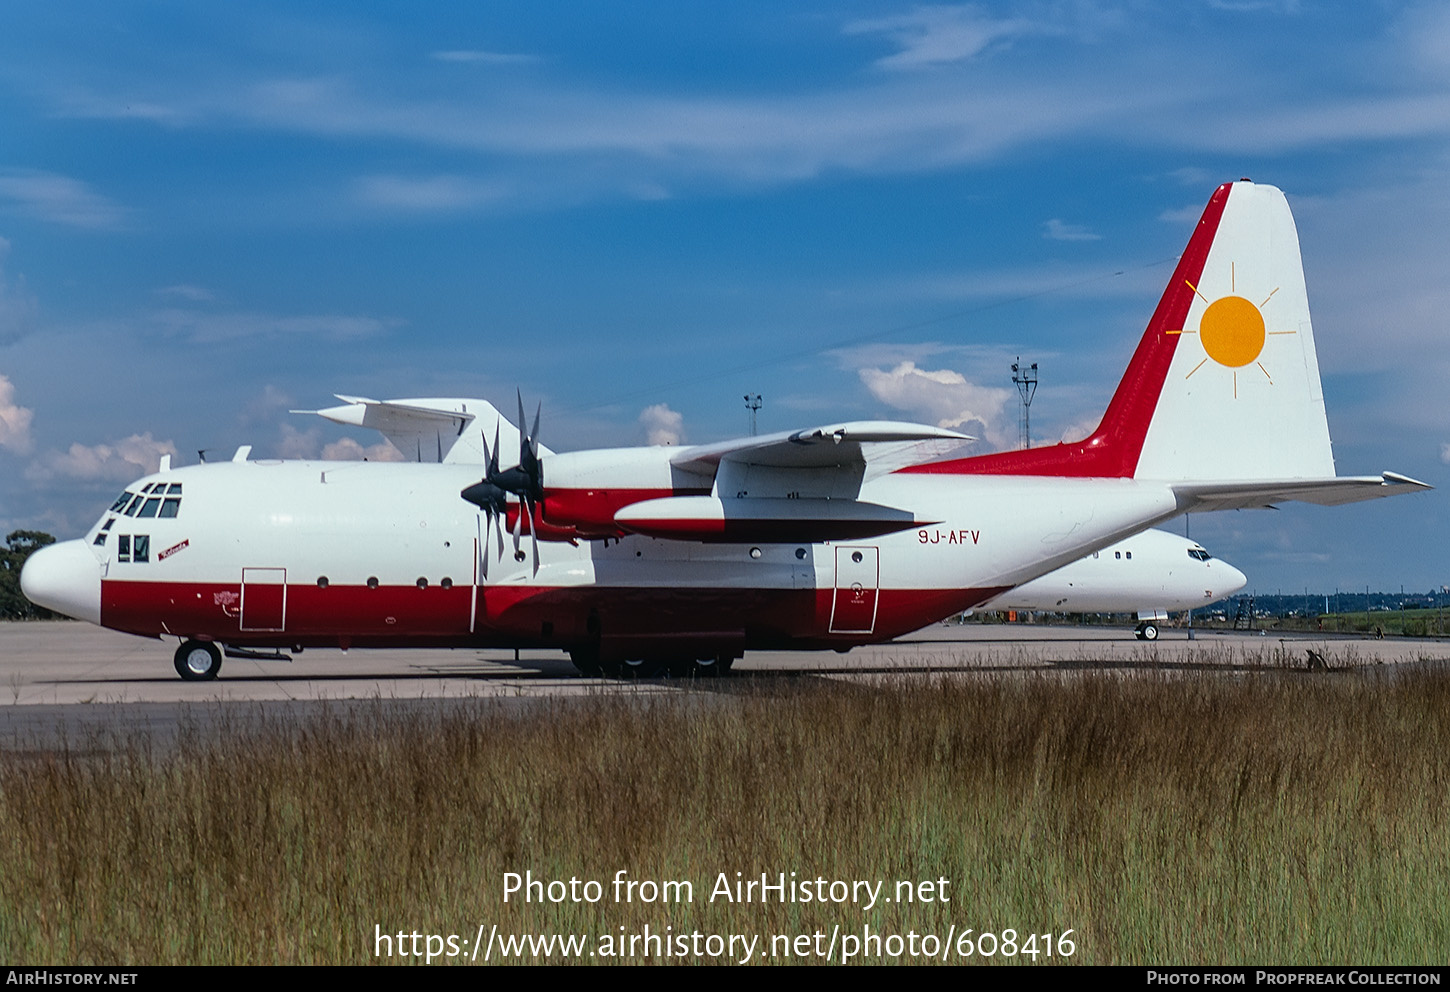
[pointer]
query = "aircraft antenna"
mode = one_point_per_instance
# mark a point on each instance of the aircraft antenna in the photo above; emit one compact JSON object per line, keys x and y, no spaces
{"x":1025,"y":376}
{"x":753,"y":403}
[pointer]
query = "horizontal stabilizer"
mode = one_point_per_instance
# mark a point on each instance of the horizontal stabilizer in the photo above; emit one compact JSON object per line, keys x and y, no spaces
{"x":1261,"y":493}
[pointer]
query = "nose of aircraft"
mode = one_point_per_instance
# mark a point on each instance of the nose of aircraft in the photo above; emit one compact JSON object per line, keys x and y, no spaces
{"x":66,"y":578}
{"x":1227,"y":580}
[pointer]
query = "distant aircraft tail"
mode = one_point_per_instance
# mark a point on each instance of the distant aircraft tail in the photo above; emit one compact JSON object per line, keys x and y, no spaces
{"x":1222,"y":396}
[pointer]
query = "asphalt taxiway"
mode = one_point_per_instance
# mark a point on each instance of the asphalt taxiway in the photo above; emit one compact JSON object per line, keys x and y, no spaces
{"x":69,"y":664}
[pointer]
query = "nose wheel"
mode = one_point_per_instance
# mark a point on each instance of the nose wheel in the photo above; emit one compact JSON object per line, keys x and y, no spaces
{"x":198,"y":661}
{"x":1147,"y":631}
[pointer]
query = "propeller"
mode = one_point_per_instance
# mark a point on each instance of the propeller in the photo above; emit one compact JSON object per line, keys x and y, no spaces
{"x":489,"y":497}
{"x":525,"y":480}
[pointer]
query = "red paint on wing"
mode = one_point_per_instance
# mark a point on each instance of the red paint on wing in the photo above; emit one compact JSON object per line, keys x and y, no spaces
{"x":1113,"y":449}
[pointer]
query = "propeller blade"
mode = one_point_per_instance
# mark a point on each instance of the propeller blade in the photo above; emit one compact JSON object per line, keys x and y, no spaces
{"x":534,"y":535}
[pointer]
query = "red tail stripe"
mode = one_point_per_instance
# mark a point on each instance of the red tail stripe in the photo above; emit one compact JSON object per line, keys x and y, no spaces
{"x":1113,"y":449}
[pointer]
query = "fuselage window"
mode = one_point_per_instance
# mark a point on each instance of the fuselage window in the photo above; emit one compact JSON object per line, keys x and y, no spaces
{"x":1117,"y":554}
{"x":170,"y":506}
{"x":1129,"y":554}
{"x":149,"y":508}
{"x":140,"y":548}
{"x":123,"y":547}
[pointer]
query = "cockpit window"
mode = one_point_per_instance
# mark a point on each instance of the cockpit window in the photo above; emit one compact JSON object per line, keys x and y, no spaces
{"x":121,"y":501}
{"x":149,"y":508}
{"x":174,"y":489}
{"x":1199,"y":554}
{"x":136,"y":502}
{"x":170,"y":506}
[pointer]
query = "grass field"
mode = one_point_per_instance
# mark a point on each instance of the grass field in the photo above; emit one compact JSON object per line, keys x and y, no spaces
{"x":1284,"y":817}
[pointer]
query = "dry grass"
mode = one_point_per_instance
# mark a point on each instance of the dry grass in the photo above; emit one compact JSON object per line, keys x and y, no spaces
{"x":1272,"y":818}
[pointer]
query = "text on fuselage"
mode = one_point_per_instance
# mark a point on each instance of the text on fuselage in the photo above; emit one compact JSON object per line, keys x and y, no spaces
{"x":939,"y":536}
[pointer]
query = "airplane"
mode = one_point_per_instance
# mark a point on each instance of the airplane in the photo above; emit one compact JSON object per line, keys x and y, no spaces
{"x":642,"y":560}
{"x":1150,"y":574}
{"x":1169,"y":572}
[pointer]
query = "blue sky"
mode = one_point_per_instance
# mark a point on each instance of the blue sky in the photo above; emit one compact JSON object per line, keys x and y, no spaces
{"x":637,"y":213}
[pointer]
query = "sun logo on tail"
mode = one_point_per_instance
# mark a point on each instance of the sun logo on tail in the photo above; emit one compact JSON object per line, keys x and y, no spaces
{"x":1232,"y":331}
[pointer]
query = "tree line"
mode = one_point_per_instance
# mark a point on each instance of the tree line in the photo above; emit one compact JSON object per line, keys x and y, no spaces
{"x":20,"y":545}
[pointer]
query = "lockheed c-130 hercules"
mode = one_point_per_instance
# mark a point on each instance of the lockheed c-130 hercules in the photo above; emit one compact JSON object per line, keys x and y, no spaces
{"x":642,"y":558}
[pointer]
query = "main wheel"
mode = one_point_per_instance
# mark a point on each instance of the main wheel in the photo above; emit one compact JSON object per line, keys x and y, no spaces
{"x":198,"y":661}
{"x":587,"y":661}
{"x":642,"y":668}
{"x":1148,"y":632}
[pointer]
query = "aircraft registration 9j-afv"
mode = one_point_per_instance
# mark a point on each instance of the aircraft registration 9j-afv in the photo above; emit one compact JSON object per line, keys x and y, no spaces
{"x":641,"y":558}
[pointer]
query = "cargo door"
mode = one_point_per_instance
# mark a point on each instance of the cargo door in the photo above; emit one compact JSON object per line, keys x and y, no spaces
{"x":264,"y":599}
{"x":853,"y":606}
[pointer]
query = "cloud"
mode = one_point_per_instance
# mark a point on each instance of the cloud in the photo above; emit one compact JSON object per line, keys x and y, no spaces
{"x":192,"y":294}
{"x":933,"y":35}
{"x":943,"y":396}
{"x":429,"y":192}
{"x":14,"y":420}
{"x":348,"y":450}
{"x":1445,"y":453}
{"x":662,"y":425}
{"x":59,"y":199}
{"x":17,"y":307}
{"x":308,"y":445}
{"x":1056,"y":230}
{"x":202,"y":327}
{"x":119,"y":461}
{"x":475,"y":56}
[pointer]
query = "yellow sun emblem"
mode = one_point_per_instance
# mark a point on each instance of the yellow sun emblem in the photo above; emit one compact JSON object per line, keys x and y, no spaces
{"x":1232,"y":331}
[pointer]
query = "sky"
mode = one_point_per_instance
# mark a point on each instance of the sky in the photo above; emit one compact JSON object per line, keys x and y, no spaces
{"x":636,"y":214}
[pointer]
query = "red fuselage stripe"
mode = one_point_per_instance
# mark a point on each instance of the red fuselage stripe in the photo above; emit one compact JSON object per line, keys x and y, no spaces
{"x":515,"y":616}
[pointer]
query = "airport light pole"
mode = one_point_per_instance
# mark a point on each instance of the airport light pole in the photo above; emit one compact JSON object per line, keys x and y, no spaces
{"x":1025,"y":376}
{"x":753,"y":403}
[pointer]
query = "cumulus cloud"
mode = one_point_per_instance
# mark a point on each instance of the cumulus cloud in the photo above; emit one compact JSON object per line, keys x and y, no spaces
{"x":662,"y":425}
{"x":308,"y":445}
{"x":942,"y":396}
{"x":14,"y":420}
{"x":119,"y":461}
{"x":348,"y":450}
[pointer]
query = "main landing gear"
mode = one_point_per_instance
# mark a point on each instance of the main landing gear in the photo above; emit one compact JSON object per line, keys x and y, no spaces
{"x":198,"y":661}
{"x":593,"y":663}
{"x":1147,"y":631}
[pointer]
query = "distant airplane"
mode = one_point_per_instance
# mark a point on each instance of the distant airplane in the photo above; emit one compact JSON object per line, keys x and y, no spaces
{"x":1150,"y":574}
{"x":643,"y":559}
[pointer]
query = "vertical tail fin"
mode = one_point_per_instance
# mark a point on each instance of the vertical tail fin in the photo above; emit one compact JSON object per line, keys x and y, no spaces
{"x":1241,"y":398}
